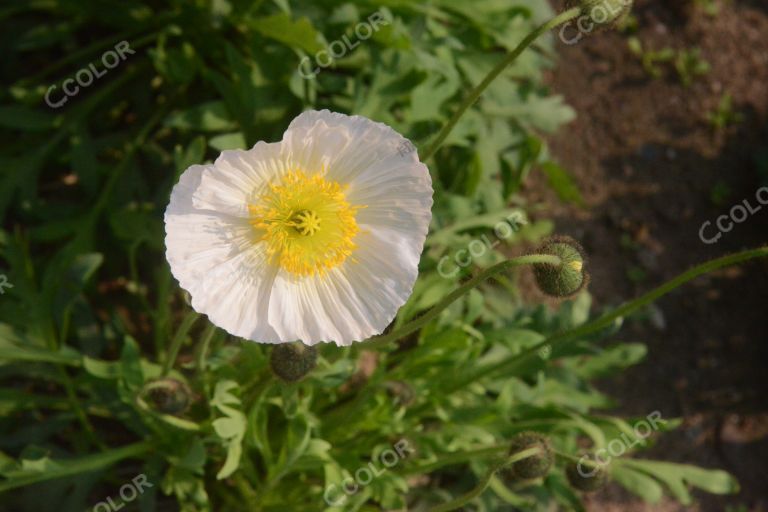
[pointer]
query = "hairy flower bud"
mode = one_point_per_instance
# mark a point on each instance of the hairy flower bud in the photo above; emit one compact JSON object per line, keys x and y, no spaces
{"x":586,"y":475}
{"x":292,"y":361}
{"x":567,"y":278}
{"x":603,"y":13}
{"x":168,"y":396}
{"x":534,"y":466}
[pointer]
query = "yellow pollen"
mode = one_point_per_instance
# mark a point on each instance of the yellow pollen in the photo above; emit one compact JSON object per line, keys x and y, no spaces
{"x":306,"y":223}
{"x":576,"y":265}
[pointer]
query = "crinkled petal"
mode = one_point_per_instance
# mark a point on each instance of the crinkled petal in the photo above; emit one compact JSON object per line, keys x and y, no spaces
{"x":213,"y":250}
{"x":217,"y":255}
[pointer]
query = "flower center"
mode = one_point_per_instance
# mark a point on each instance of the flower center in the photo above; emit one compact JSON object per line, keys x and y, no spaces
{"x":307,"y":223}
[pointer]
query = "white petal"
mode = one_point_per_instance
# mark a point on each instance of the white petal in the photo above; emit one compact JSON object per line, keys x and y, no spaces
{"x":374,"y":160}
{"x":213,"y":250}
{"x":361,"y":297}
{"x":235,"y":178}
{"x":345,"y":146}
{"x":352,"y":302}
{"x":215,"y":254}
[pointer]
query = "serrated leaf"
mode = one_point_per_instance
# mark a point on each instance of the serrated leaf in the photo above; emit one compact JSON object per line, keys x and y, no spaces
{"x":561,"y":183}
{"x":298,"y":33}
{"x":638,"y":483}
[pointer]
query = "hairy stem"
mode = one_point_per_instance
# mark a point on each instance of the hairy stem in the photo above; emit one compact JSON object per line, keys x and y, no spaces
{"x":178,"y":339}
{"x":495,"y":72}
{"x":483,"y":483}
{"x":418,"y":323}
{"x":513,"y":364}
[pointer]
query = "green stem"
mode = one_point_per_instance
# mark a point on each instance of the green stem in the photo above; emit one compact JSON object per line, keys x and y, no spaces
{"x":210,"y":330}
{"x":514,"y":363}
{"x":506,"y":61}
{"x":418,"y":323}
{"x":573,"y":458}
{"x":483,"y":483}
{"x":80,"y":414}
{"x":178,"y":339}
{"x":456,"y":458}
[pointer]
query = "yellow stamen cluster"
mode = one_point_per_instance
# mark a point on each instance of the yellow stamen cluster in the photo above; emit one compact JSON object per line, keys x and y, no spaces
{"x":307,"y":223}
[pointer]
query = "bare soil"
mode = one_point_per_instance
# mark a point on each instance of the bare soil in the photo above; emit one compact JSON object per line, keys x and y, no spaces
{"x":652,"y":170}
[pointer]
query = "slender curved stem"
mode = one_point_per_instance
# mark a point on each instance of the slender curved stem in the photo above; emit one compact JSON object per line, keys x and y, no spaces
{"x":430,"y":315}
{"x":450,"y":459}
{"x":506,"y":61}
{"x":512,"y":364}
{"x":202,"y":354}
{"x":572,"y":458}
{"x":483,"y":483}
{"x":178,"y":339}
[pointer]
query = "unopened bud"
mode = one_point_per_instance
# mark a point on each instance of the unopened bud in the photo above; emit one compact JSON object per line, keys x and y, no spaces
{"x":168,"y":396}
{"x":292,"y":361}
{"x":567,"y":278}
{"x":586,"y":475}
{"x":534,"y":466}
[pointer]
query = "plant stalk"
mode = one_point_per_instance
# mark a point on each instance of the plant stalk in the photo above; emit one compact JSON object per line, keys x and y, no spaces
{"x":483,"y":483}
{"x":418,"y":323}
{"x":495,"y":72}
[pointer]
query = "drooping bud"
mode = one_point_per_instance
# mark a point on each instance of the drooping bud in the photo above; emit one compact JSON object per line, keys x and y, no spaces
{"x":534,"y":466}
{"x":167,"y":395}
{"x":567,"y":278}
{"x":603,"y":13}
{"x":292,"y":361}
{"x":586,"y":475}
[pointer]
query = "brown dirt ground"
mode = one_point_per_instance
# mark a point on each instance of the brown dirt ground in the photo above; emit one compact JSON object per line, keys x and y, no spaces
{"x":647,"y":163}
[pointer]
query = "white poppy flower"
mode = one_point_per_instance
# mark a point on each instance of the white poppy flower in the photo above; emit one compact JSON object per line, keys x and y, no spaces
{"x":313,"y":238}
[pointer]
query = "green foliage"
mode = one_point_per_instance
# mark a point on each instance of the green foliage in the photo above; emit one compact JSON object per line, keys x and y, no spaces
{"x":709,"y":7}
{"x":94,"y":322}
{"x":724,"y":115}
{"x":688,"y":64}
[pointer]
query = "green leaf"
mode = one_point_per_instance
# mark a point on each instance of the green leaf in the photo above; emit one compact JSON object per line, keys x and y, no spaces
{"x":677,"y":477}
{"x":429,"y":96}
{"x":228,"y":141}
{"x":296,"y":34}
{"x":562,"y":183}
{"x":231,"y":428}
{"x":43,"y":469}
{"x":19,"y":117}
{"x":211,"y":116}
{"x":611,"y":360}
{"x":192,"y":155}
{"x":15,"y":346}
{"x":102,"y":369}
{"x":130,"y":368}
{"x":227,"y":428}
{"x":638,"y":483}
